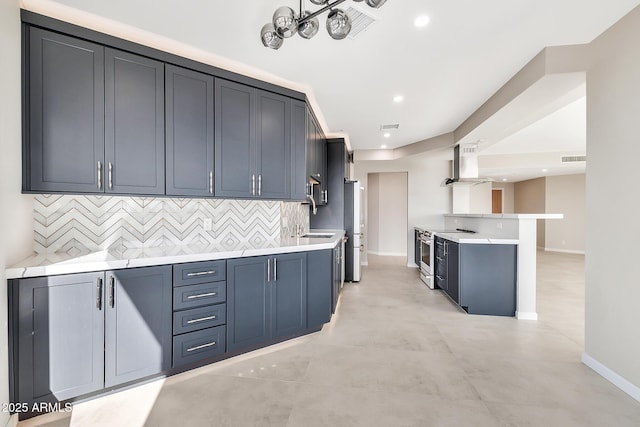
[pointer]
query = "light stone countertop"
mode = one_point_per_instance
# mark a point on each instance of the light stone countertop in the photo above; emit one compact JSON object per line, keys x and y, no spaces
{"x":118,"y":258}
{"x":510,"y":216}
{"x":477,"y":239}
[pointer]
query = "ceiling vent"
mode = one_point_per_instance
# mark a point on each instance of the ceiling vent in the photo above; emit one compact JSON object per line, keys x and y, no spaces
{"x":573,"y":159}
{"x":391,"y":126}
{"x":360,"y":21}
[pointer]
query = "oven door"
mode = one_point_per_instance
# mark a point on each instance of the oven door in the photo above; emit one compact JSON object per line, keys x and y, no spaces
{"x":426,"y":256}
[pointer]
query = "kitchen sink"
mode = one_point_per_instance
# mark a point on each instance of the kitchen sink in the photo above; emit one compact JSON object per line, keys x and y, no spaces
{"x":318,"y":235}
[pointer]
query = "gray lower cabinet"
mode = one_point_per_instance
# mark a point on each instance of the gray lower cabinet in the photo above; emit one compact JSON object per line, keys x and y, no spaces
{"x":137,"y":323}
{"x":320,"y":285}
{"x":134,"y":124}
{"x":64,"y":145}
{"x":266,"y":298}
{"x":199,"y":311}
{"x":481,"y":278}
{"x":76,"y":334}
{"x":58,"y":336}
{"x":189,"y":132}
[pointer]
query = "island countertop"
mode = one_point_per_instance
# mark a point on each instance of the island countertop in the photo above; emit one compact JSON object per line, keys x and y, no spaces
{"x":118,"y":258}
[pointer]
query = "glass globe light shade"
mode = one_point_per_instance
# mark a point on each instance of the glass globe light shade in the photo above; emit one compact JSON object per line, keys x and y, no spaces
{"x":338,"y":24}
{"x":270,"y":37}
{"x":375,"y":3}
{"x":309,"y":28}
{"x":321,"y":2}
{"x":285,"y":22}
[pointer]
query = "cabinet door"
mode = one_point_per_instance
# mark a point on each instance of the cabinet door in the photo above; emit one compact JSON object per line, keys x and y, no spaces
{"x":273,"y":145}
{"x":138,"y":323}
{"x":311,"y":146}
{"x":322,"y":167}
{"x":134,"y":124}
{"x":299,"y":177}
{"x":60,"y":336}
{"x":319,"y":287}
{"x":248,"y":304}
{"x":65,"y":146}
{"x":289,"y":294}
{"x":235,"y":140}
{"x":189,"y":117}
{"x":452,"y":257}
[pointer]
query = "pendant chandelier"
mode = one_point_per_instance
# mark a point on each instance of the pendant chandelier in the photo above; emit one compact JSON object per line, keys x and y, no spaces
{"x":286,"y":23}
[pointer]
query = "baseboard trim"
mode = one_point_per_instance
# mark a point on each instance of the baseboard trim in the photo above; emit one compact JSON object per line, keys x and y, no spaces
{"x":526,"y":315}
{"x":611,"y":376}
{"x":412,"y":265}
{"x":365,"y":263}
{"x":564,"y":251}
{"x":388,"y":253}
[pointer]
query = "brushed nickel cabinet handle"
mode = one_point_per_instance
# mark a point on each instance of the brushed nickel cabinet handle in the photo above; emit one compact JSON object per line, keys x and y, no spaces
{"x":201,"y":346}
{"x":99,"y":294}
{"x":99,"y":175}
{"x":201,"y":273}
{"x":275,"y":269}
{"x":268,"y":270}
{"x":253,"y":185}
{"x":210,"y":182}
{"x":110,"y":167}
{"x":208,"y":294}
{"x":260,"y":185}
{"x":202,"y":319}
{"x":112,"y":293}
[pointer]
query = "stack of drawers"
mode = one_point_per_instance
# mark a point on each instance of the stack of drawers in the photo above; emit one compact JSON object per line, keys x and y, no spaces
{"x":199,"y":311}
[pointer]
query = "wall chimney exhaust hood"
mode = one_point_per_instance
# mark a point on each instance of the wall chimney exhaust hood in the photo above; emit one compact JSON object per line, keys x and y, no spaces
{"x":465,"y":167}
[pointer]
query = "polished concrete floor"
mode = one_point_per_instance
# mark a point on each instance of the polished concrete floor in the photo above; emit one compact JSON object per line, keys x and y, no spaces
{"x":395,"y":354}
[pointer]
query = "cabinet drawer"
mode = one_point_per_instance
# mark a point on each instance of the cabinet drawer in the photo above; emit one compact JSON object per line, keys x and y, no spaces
{"x":199,"y":295}
{"x":199,"y":345}
{"x":199,"y":272}
{"x":199,"y":318}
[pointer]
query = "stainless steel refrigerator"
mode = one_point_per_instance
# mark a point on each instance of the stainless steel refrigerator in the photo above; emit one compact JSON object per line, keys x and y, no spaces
{"x":352,"y":225}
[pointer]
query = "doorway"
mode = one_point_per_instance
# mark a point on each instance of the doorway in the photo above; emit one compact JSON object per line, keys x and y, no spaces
{"x":496,"y":201}
{"x":387,"y":213}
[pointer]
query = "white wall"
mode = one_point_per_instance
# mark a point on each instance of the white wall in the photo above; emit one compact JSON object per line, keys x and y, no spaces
{"x":613,"y":149}
{"x":16,"y":233}
{"x":387,"y":213}
{"x":507,"y":195}
{"x":426,"y":200}
{"x":372,"y":200}
{"x":565,"y":194}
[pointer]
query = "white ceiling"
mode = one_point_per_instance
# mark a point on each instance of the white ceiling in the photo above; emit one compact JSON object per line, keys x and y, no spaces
{"x":445,"y":71}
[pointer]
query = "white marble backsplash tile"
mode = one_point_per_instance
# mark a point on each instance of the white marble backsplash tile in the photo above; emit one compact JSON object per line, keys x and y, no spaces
{"x":69,"y":223}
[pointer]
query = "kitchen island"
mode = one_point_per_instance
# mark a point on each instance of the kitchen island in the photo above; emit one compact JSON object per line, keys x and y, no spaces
{"x":521,"y":227}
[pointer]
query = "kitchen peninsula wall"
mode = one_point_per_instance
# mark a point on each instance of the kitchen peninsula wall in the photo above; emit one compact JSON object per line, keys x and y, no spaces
{"x":69,"y":223}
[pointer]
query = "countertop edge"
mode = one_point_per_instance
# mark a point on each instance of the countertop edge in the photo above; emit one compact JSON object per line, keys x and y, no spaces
{"x":78,"y":265}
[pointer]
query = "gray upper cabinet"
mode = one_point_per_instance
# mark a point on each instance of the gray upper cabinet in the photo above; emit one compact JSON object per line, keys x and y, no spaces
{"x":189,"y":132}
{"x":299,"y":178}
{"x":252,"y":142}
{"x":138,"y":323}
{"x":64,"y":145}
{"x":134,"y":124}
{"x":235,"y":140}
{"x":59,"y":337}
{"x":273,"y":165}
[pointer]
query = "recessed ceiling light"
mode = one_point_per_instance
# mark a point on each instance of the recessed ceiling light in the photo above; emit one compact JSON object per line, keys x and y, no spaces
{"x":544,"y":170}
{"x":386,"y":135}
{"x":398,"y":98}
{"x":383,"y":146}
{"x":504,"y":179}
{"x":421,"y":21}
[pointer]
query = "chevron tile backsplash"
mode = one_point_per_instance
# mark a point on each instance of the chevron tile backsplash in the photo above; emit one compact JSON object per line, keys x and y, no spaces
{"x":74,"y":224}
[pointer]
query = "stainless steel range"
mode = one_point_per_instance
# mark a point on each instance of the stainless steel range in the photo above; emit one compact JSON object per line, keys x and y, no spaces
{"x":426,"y":238}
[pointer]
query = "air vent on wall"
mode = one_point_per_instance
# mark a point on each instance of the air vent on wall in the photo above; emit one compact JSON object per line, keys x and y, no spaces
{"x":391,"y":126}
{"x":360,"y":21}
{"x":573,"y":159}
